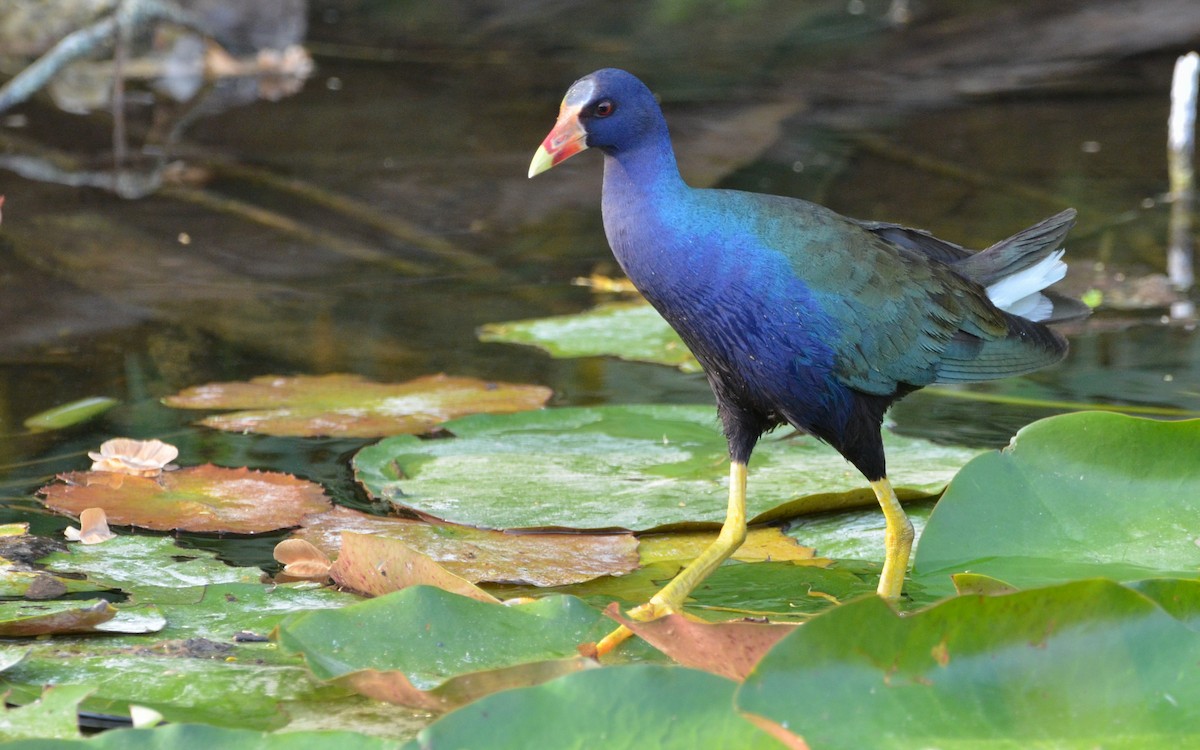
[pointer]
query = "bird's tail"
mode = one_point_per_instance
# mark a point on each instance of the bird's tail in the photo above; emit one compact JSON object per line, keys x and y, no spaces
{"x":1017,"y":271}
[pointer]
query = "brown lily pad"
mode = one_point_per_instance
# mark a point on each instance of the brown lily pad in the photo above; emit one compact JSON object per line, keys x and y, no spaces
{"x":352,"y":406}
{"x":730,"y":649}
{"x":377,"y":565}
{"x":199,"y":498}
{"x":478,"y":555}
{"x":49,"y":619}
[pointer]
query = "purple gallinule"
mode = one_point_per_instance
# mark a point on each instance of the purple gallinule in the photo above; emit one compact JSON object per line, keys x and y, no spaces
{"x":799,"y":315}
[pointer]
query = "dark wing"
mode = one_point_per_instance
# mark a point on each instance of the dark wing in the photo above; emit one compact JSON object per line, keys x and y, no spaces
{"x":904,"y":316}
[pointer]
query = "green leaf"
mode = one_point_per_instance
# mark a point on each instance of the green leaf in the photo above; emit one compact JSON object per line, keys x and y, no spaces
{"x":633,"y":467}
{"x":631,"y":706}
{"x":1083,"y":665}
{"x":351,"y":406}
{"x":628,"y":330}
{"x":53,"y":715}
{"x":197,"y":668}
{"x":445,"y":635}
{"x":68,"y":415}
{"x":1077,"y":495}
{"x":201,"y":737}
{"x":129,"y":562}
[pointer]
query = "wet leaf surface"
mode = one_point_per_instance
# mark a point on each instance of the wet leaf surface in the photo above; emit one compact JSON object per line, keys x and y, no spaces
{"x":630,"y":467}
{"x":541,"y":559}
{"x":628,"y":330}
{"x":200,"y":498}
{"x":194,"y":667}
{"x":1022,"y":668}
{"x":352,"y":406}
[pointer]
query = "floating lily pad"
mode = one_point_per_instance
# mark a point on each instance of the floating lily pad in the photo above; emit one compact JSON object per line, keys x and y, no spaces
{"x":628,"y":330}
{"x":1077,"y":495}
{"x":541,"y":559}
{"x":447,"y":640}
{"x":621,"y":707}
{"x":200,"y":498}
{"x":192,"y":736}
{"x":203,"y":664}
{"x":155,"y":562}
{"x":352,"y":406}
{"x":1082,"y":665}
{"x":51,"y":716}
{"x":624,"y":467}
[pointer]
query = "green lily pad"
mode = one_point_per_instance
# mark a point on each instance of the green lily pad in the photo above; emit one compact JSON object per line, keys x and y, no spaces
{"x":621,"y":707}
{"x":351,"y":406}
{"x":156,"y":562}
{"x":1083,"y":665}
{"x":200,"y":666}
{"x":68,"y":415}
{"x":51,"y":716}
{"x":196,"y":668}
{"x":628,"y":330}
{"x":545,"y":559}
{"x":427,"y":638}
{"x":197,"y":736}
{"x":199,"y":498}
{"x":624,"y":467}
{"x":853,"y":534}
{"x":1077,"y":495}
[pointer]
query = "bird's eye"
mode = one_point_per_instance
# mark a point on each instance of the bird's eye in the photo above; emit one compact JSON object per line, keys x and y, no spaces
{"x":604,"y":108}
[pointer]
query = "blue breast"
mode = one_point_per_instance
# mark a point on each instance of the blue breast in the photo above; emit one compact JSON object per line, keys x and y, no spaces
{"x":764,"y":338}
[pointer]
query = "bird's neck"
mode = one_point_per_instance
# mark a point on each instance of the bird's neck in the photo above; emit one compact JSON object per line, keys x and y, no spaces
{"x":644,"y":173}
{"x":644,"y":198}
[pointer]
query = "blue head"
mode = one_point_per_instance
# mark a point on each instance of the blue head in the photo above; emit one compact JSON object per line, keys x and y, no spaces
{"x":610,"y":110}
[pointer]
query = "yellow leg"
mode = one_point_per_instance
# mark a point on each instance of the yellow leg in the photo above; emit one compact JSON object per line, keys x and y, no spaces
{"x":671,"y":597}
{"x":897,"y":540}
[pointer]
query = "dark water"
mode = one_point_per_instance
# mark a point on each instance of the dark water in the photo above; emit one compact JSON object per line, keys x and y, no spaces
{"x":423,"y":123}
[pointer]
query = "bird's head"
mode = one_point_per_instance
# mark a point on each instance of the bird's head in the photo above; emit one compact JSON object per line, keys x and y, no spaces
{"x":610,"y":110}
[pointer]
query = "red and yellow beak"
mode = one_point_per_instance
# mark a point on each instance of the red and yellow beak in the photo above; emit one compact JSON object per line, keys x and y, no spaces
{"x":566,"y":139}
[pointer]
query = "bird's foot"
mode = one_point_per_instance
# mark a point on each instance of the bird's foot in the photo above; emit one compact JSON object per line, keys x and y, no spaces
{"x":651,"y":610}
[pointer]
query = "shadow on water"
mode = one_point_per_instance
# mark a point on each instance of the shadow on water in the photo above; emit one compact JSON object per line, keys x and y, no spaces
{"x":370,"y":222}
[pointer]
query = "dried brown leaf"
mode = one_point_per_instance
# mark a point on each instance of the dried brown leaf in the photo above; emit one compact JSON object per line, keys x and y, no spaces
{"x":539,"y":559}
{"x":730,"y":649}
{"x":377,"y":565}
{"x":302,"y":560}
